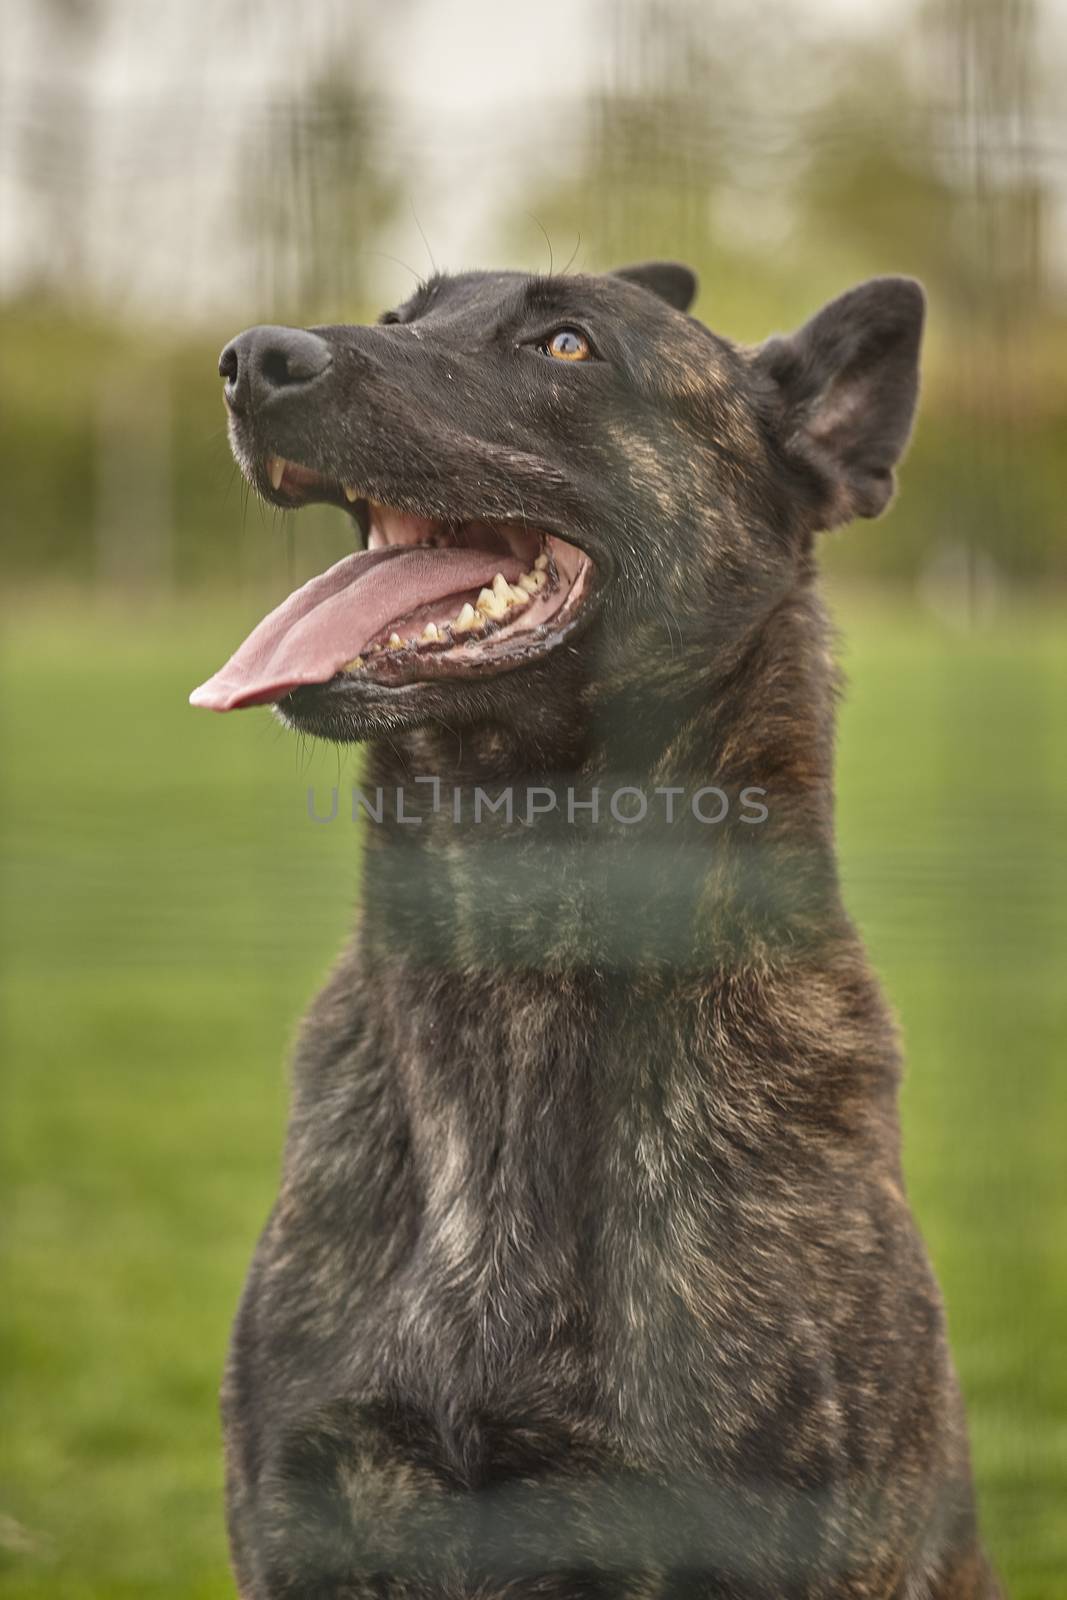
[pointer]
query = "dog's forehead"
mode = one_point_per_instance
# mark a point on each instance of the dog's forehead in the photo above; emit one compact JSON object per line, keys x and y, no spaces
{"x":458,"y":292}
{"x":504,"y":295}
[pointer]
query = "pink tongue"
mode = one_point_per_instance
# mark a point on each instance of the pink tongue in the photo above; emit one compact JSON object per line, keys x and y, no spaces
{"x":310,"y":636}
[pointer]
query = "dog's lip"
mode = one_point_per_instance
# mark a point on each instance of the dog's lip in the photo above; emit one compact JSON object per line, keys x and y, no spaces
{"x":355,"y":495}
{"x":298,"y":484}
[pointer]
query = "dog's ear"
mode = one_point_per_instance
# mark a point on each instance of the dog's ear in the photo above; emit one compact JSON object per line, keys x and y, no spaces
{"x":843,"y":389}
{"x":669,"y":279}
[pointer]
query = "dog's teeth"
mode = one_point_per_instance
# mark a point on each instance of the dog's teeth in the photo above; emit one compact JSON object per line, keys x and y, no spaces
{"x":541,"y":564}
{"x":275,"y":471}
{"x":395,"y":642}
{"x":500,"y":588}
{"x":518,"y":597}
{"x":468,"y":621}
{"x":430,"y":633}
{"x":351,"y":492}
{"x":490,"y":605}
{"x":354,"y":665}
{"x":529,"y":582}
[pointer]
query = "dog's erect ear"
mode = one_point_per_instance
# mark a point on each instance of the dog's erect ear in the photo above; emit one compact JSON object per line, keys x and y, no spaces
{"x":844,"y":389}
{"x":669,"y":279}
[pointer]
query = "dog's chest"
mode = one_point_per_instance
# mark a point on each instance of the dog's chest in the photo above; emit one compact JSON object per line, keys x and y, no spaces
{"x":546,"y":1125}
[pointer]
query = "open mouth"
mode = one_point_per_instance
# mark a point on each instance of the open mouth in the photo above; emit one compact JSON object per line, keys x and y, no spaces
{"x":430,"y":597}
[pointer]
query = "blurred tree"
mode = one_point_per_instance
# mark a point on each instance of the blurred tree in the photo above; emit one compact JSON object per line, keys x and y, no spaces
{"x":644,"y":160}
{"x":319,"y":189}
{"x":692,"y":142}
{"x":938,"y":170}
{"x":52,"y":143}
{"x":980,"y":63}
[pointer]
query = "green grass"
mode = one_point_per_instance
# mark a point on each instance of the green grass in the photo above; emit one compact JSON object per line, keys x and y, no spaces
{"x":168,"y":912}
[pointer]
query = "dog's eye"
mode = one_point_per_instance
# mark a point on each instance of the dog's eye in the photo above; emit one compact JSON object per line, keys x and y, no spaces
{"x":567,"y":344}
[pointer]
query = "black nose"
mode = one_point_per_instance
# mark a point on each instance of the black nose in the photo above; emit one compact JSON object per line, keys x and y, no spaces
{"x":265,"y":362}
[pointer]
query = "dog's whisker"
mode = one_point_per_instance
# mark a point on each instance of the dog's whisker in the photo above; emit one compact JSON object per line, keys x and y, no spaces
{"x":422,"y":235}
{"x":544,"y":234}
{"x":573,"y":256}
{"x":397,"y":261}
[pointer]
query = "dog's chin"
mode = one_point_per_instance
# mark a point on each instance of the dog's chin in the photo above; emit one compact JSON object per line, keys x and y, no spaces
{"x":345,"y":711}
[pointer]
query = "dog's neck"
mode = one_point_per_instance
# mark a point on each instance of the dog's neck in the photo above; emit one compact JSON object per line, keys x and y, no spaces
{"x":493,"y":854}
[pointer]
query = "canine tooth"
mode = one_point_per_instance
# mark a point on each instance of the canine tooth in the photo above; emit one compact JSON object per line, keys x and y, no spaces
{"x":468,"y":621}
{"x":395,"y":642}
{"x":351,"y":492}
{"x":430,"y":633}
{"x":541,"y":564}
{"x":276,"y":471}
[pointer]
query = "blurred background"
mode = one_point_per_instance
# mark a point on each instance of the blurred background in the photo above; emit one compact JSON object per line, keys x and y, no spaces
{"x":172,"y":173}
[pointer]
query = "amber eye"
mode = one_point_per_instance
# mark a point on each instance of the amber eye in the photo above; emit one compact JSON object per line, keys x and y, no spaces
{"x":567,"y":344}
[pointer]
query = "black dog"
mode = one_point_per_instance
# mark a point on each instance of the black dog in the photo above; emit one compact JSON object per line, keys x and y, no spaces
{"x":591,"y":1272}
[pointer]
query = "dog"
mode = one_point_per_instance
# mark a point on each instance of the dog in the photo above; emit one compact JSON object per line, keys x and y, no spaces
{"x":591,"y":1271}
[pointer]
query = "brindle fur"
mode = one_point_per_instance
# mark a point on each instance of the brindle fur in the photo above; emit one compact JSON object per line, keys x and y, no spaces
{"x":592,"y":1272}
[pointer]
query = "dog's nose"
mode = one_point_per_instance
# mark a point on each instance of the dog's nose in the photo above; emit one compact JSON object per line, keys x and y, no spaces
{"x":263,"y":363}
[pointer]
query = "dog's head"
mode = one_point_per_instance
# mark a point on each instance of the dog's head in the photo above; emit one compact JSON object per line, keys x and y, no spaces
{"x":559,"y":481}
